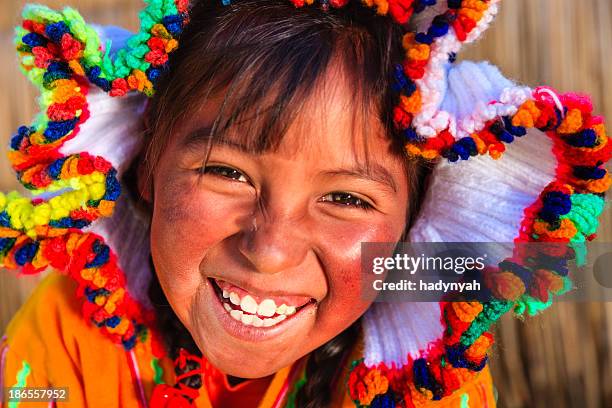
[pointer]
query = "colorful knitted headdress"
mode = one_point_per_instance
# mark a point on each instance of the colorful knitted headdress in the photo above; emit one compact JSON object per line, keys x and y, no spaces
{"x":547,"y":186}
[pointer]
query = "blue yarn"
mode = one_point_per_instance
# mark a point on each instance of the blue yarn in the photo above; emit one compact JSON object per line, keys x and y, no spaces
{"x":554,"y":263}
{"x":589,"y":173}
{"x":411,"y":135}
{"x":555,"y":204}
{"x":6,"y":244}
{"x":34,"y":40}
{"x":92,"y":293}
{"x":450,"y":155}
{"x":153,"y":74}
{"x":467,"y":147}
{"x":456,"y":356}
{"x":59,"y":129}
{"x":68,"y":222}
{"x":174,"y":24}
{"x":461,"y":151}
{"x":421,"y":5}
{"x":56,"y":31}
{"x":22,"y":133}
{"x":424,"y":379}
{"x":59,"y":66}
{"x":439,"y":28}
{"x":102,"y":254}
{"x":113,"y":188}
{"x":129,"y":343}
{"x":514,"y":130}
{"x":586,"y":138}
{"x":26,"y":253}
{"x":383,"y":401}
{"x":5,"y":221}
{"x":403,"y":83}
{"x":525,"y":274}
{"x":112,"y":321}
{"x":56,"y":70}
{"x":55,"y":169}
{"x":93,"y":74}
{"x":423,"y":38}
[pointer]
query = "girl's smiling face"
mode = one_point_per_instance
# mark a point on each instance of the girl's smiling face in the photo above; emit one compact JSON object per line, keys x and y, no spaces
{"x":236,"y":238}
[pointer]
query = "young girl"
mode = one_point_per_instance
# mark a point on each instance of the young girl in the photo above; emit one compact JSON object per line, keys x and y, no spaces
{"x":279,"y":136}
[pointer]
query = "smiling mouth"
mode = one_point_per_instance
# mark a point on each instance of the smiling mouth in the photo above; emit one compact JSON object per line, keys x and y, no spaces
{"x":255,"y":311}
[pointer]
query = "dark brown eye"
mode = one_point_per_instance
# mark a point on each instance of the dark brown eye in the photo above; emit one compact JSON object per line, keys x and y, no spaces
{"x":346,"y":199}
{"x":224,"y":171}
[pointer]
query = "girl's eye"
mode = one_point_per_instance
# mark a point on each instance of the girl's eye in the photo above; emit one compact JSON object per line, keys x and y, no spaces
{"x":346,"y":199}
{"x":224,"y":171}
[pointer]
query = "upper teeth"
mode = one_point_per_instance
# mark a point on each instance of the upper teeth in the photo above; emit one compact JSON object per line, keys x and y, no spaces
{"x":267,"y":307}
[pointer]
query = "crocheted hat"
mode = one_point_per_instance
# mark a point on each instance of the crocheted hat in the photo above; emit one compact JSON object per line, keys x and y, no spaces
{"x":535,"y":174}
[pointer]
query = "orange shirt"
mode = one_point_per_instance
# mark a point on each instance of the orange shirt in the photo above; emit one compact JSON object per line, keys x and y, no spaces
{"x":48,"y":343}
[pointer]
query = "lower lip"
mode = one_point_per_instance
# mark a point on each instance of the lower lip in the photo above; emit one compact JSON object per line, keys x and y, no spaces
{"x":257,"y":334}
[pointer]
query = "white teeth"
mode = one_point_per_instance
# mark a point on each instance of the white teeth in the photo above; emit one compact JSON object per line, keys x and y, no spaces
{"x":266,"y":308}
{"x":236,"y":314}
{"x":281,"y":309}
{"x":253,"y":314}
{"x":234,"y":298}
{"x":257,"y":322}
{"x":248,"y":304}
{"x":247,"y":319}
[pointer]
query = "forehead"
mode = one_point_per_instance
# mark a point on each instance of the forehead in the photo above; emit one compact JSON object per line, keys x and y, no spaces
{"x":335,"y":122}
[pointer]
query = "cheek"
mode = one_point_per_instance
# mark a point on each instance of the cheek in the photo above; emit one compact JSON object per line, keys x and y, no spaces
{"x":186,"y":224}
{"x":345,"y":301}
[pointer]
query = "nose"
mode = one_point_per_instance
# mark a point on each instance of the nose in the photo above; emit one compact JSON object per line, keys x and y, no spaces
{"x":273,"y":243}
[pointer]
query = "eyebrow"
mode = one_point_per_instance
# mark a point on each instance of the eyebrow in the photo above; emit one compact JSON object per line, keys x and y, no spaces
{"x":373,"y":172}
{"x":201,"y":136}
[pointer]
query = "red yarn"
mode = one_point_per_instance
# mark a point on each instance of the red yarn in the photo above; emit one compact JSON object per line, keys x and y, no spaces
{"x":119,"y":87}
{"x":42,"y":56}
{"x":71,"y":48}
{"x":401,"y":10}
{"x":338,"y":3}
{"x":156,"y":57}
{"x":401,"y":118}
{"x":415,"y":69}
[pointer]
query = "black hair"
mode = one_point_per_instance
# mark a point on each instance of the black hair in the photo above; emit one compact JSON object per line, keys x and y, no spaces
{"x":267,"y":57}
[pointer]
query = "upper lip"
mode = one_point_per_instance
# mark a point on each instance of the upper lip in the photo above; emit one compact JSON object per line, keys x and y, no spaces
{"x":259,"y":295}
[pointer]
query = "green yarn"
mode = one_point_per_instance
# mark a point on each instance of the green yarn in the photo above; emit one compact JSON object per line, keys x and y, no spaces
{"x":530,"y":305}
{"x":158,"y":372}
{"x":491,"y":312}
{"x":22,"y":380}
{"x":296,"y":388}
{"x":465,"y":401}
{"x":585,"y":210}
{"x":125,"y":61}
{"x":41,"y":13}
{"x":169,"y":8}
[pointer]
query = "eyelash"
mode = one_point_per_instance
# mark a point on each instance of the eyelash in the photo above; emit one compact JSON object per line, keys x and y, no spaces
{"x":357,"y":202}
{"x":220,"y":170}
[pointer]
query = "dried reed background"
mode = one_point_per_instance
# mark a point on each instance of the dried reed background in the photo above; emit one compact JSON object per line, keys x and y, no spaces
{"x":561,"y":359}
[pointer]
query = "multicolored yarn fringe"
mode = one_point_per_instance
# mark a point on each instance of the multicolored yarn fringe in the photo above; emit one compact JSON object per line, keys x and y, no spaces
{"x":62,"y":56}
{"x":564,"y":217}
